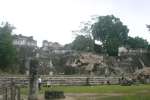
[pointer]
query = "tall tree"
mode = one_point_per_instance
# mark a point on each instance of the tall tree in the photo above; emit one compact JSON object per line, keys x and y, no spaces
{"x":111,"y":32}
{"x":7,"y":50}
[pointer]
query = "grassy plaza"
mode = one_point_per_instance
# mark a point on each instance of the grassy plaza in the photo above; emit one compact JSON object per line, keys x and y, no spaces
{"x":101,"y":92}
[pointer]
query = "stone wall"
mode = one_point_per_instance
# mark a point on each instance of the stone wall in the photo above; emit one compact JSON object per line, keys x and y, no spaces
{"x":66,"y":80}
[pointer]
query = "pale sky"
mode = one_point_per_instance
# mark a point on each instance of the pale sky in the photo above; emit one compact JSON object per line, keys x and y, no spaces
{"x":54,"y":20}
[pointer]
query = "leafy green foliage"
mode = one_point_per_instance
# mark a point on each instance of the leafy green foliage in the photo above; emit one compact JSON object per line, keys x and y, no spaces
{"x":137,"y":42}
{"x":7,"y":50}
{"x":111,"y":32}
{"x":149,"y":47}
{"x":83,"y":43}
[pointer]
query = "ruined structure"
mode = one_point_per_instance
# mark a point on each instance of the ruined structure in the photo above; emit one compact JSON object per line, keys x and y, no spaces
{"x":48,"y":52}
{"x":20,"y":40}
{"x":104,"y":65}
{"x":25,"y":46}
{"x":55,"y":58}
{"x":84,"y":63}
{"x":54,"y":47}
{"x":122,"y":51}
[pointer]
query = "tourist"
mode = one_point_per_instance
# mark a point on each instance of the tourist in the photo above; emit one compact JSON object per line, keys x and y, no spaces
{"x":39,"y":83}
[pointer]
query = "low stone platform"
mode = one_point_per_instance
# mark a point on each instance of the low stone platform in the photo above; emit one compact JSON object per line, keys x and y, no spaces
{"x":53,"y":95}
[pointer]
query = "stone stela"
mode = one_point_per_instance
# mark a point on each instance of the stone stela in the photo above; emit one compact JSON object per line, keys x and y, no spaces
{"x":33,"y":83}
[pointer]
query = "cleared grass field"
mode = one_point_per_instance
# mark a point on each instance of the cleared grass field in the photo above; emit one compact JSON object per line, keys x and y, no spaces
{"x":102,"y":92}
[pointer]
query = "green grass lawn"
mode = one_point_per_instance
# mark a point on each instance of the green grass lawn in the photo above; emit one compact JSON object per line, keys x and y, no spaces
{"x":134,"y":92}
{"x":129,"y":97}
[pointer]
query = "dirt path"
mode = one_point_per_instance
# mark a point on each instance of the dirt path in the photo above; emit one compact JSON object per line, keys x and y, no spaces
{"x":85,"y":96}
{"x":95,"y":94}
{"x":90,"y":96}
{"x":41,"y":97}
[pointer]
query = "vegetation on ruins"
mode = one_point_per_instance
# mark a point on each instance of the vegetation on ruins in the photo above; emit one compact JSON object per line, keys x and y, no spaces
{"x":148,"y":26}
{"x":101,"y":35}
{"x":82,"y":43}
{"x":137,"y":42}
{"x":7,"y":50}
{"x":111,"y":32}
{"x":108,"y":30}
{"x":60,"y":63}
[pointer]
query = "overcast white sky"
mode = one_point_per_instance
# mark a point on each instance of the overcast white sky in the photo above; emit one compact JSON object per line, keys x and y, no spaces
{"x":53,"y":20}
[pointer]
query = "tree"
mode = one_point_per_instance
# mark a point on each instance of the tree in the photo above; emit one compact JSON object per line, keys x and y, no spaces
{"x":83,"y":43}
{"x":148,"y":26}
{"x":7,"y":50}
{"x":137,"y":42}
{"x":111,"y":32}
